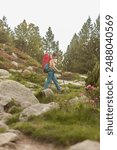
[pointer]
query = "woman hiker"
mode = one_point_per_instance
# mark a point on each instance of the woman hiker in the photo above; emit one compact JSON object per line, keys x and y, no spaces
{"x":49,"y":67}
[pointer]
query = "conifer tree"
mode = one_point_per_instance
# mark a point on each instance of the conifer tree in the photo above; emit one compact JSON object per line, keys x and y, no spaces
{"x":6,"y":35}
{"x":28,"y":39}
{"x":83,"y":50}
{"x":49,"y":44}
{"x":21,"y":33}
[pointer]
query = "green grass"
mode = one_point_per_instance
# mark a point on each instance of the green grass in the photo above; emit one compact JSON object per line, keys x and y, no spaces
{"x":71,"y":76}
{"x":14,"y":119}
{"x":64,"y":96}
{"x":15,"y":110}
{"x":62,"y":127}
{"x":1,"y":58}
{"x":65,"y":126}
{"x":34,"y":78}
{"x":2,"y":130}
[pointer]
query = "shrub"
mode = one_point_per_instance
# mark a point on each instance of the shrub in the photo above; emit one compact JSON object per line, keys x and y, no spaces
{"x":94,"y":76}
{"x":93,"y":93}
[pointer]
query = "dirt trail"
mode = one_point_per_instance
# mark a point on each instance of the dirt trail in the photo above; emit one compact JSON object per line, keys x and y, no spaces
{"x":77,"y":83}
{"x":26,"y":143}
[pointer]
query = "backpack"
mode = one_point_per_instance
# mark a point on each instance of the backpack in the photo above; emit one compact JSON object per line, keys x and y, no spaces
{"x":45,"y":62}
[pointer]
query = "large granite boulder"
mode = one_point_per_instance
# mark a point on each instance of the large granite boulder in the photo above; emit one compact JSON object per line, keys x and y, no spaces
{"x":10,"y":89}
{"x":4,"y":100}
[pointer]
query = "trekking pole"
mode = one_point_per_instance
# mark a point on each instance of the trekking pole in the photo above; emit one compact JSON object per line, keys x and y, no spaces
{"x":63,"y":81}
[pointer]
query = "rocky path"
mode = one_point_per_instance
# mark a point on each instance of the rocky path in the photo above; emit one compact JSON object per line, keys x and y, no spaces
{"x":25,"y":143}
{"x":77,"y":83}
{"x":13,"y":141}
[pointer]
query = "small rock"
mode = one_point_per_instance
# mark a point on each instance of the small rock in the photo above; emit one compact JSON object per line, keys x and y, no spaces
{"x":83,"y":76}
{"x":14,"y":55}
{"x":4,"y":74}
{"x":14,"y":70}
{"x":48,"y":92}
{"x":26,"y":72}
{"x":83,"y":98}
{"x":30,"y":68}
{"x":15,"y":64}
{"x":74,"y":101}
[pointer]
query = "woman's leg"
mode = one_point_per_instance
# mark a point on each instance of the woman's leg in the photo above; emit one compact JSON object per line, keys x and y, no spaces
{"x":56,"y":82}
{"x":49,"y":79}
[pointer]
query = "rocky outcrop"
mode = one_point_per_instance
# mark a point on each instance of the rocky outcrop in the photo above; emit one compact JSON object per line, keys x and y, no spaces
{"x":13,"y":90}
{"x":86,"y":145}
{"x":36,"y":110}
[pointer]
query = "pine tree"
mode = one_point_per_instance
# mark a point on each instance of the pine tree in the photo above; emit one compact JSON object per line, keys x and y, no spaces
{"x":94,"y":74}
{"x":28,"y":39}
{"x":49,"y":45}
{"x":21,"y":33}
{"x":84,"y":54}
{"x":83,"y":50}
{"x":34,"y":39}
{"x":6,"y":35}
{"x":96,"y":38}
{"x":70,"y":58}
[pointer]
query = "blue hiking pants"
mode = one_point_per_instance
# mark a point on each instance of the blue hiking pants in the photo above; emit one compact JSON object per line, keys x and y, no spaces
{"x":51,"y":77}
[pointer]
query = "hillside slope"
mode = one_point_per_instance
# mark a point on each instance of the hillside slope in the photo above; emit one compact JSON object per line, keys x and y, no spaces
{"x":12,"y":58}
